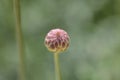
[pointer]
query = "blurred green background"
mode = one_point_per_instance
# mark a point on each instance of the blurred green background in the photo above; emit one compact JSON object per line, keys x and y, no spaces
{"x":93,"y":26}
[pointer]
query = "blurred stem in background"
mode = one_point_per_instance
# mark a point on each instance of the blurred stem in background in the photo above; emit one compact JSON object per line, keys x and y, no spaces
{"x":19,"y":37}
{"x":117,"y":6}
{"x":57,"y":67}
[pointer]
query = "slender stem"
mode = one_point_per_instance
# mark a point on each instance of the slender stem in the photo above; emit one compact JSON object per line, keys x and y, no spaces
{"x":19,"y":39}
{"x":117,"y":6}
{"x":57,"y":67}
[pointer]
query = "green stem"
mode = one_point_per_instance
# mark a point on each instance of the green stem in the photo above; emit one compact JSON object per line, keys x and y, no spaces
{"x":117,"y":7}
{"x":19,"y":37}
{"x":57,"y":67}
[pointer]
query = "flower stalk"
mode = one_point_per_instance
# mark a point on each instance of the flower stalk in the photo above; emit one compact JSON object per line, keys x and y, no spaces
{"x":19,"y":38}
{"x":57,"y":66}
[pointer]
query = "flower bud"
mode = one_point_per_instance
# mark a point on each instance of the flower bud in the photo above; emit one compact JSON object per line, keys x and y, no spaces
{"x":57,"y":40}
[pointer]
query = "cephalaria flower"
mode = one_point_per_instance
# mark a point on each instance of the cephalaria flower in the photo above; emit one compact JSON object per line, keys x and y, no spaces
{"x":57,"y":40}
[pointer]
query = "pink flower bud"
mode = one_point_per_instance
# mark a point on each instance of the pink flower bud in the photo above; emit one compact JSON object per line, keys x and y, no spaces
{"x":57,"y":40}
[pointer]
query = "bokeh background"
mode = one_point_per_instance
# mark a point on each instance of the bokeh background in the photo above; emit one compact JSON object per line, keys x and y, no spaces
{"x":94,"y":29}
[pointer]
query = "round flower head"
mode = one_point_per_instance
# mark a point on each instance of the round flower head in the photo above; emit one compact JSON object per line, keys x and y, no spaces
{"x":57,"y":40}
